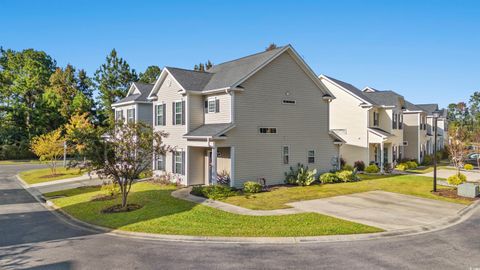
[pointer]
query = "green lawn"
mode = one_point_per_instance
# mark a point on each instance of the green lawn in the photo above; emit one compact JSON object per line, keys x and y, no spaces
{"x":428,"y":169}
{"x":277,"y":198}
{"x":44,"y":175}
{"x":161,"y":213}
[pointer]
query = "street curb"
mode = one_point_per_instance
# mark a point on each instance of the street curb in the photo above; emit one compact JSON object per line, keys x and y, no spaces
{"x":462,"y":215}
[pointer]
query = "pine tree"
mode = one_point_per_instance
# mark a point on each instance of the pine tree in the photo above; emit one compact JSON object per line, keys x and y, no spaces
{"x":150,"y":75}
{"x":270,"y":47}
{"x":113,"y":80}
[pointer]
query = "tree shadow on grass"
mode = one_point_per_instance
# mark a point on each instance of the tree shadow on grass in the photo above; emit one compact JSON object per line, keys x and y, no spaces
{"x":155,"y":204}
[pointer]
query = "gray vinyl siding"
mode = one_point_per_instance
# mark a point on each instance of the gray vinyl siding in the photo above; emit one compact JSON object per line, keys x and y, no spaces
{"x":195,"y":111}
{"x":411,"y":130}
{"x":303,"y":126}
{"x":223,"y":116}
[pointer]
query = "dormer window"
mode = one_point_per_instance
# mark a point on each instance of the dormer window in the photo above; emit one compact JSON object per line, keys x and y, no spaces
{"x":212,"y":105}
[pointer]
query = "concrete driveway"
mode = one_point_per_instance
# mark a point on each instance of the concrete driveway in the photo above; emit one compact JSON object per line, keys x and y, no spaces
{"x":386,"y":210}
{"x":472,"y":176}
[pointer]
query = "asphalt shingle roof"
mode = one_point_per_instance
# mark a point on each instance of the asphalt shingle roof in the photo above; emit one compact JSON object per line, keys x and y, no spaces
{"x":144,"y":89}
{"x":429,"y":108}
{"x":222,"y":75}
{"x":209,"y":130}
{"x":387,"y":98}
{"x":412,"y":107}
{"x":352,"y":89}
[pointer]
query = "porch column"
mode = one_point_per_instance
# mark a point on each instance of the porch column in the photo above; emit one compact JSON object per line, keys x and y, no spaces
{"x":382,"y":157}
{"x":214,"y":165}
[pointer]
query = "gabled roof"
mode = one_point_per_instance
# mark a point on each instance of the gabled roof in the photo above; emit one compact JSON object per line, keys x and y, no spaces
{"x":384,"y":98}
{"x":138,"y":92}
{"x":229,"y":75}
{"x":210,"y":130}
{"x":351,"y":89}
{"x":412,"y":107}
{"x":380,"y":132}
{"x":429,"y":108}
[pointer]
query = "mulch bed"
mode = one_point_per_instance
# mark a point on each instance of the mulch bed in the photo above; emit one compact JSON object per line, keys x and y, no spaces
{"x":119,"y":209}
{"x":452,"y":193}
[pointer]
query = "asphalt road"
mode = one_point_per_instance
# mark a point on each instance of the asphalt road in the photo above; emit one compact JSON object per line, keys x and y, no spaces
{"x":33,"y":238}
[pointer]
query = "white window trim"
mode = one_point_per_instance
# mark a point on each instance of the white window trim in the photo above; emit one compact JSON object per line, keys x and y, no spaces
{"x":308,"y":156}
{"x":133,"y":116}
{"x":214,"y":100}
{"x":176,"y":113}
{"x":179,"y":152}
{"x":162,"y":157}
{"x":283,"y":154}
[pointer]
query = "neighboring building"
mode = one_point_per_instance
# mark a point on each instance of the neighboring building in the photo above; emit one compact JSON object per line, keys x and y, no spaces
{"x":369,"y":121}
{"x":247,"y":119}
{"x":135,"y":107}
{"x":417,"y":135}
{"x":442,"y":134}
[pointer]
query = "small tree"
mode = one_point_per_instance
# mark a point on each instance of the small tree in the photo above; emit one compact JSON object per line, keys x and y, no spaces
{"x":49,"y":148}
{"x":457,"y":148}
{"x":129,"y":151}
{"x":78,"y":131}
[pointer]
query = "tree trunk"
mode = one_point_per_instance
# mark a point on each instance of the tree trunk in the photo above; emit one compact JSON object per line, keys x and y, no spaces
{"x":124,"y":198}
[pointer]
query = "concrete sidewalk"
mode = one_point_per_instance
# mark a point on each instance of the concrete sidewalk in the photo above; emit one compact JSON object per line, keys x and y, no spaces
{"x":472,"y":176}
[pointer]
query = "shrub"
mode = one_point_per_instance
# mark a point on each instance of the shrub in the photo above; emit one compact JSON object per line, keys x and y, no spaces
{"x":145,"y":174}
{"x":214,"y":192}
{"x":360,"y":165}
{"x":327,"y":178}
{"x":252,"y":187}
{"x":110,"y":189}
{"x":411,"y":164}
{"x":372,"y":169}
{"x":347,"y":176}
{"x":301,"y":176}
{"x":427,"y":160}
{"x":402,"y":167}
{"x":347,"y":167}
{"x":468,"y":167}
{"x":456,"y":179}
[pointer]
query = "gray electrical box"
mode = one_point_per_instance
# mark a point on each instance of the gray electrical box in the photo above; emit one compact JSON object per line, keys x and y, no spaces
{"x":469,"y":190}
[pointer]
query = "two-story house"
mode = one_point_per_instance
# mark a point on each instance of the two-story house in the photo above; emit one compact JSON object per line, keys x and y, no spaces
{"x":247,"y":119}
{"x":442,"y":133}
{"x":135,"y":107}
{"x":370,"y":122}
{"x":417,"y":135}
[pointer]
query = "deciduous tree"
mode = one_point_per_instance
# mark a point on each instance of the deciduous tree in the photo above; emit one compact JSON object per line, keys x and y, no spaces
{"x":49,"y":148}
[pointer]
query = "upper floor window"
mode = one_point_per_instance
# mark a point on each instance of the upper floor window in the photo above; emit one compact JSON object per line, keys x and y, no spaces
{"x":267,"y":130}
{"x":119,"y":115}
{"x":286,"y":154}
{"x":375,"y":119}
{"x":394,"y":121}
{"x":160,"y":115}
{"x":311,"y":156}
{"x":178,"y":112}
{"x":130,"y":115}
{"x":400,"y":121}
{"x":212,"y":105}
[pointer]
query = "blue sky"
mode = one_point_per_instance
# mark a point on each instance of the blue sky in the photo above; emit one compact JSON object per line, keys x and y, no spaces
{"x":429,"y":51}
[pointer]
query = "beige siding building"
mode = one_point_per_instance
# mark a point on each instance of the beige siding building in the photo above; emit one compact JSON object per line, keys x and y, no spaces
{"x":369,"y":121}
{"x":244,"y":120}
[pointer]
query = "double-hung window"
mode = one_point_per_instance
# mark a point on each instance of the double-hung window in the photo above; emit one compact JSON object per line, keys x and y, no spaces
{"x":394,"y":121}
{"x":160,"y":115}
{"x":400,"y":121}
{"x":286,"y":154}
{"x":178,"y":159}
{"x":212,"y":105}
{"x":178,"y":113}
{"x":131,"y":115}
{"x":119,"y":115}
{"x":375,"y":119}
{"x":160,"y":162}
{"x":311,"y":156}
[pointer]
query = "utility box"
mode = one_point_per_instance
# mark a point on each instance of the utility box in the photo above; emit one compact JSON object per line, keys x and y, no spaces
{"x":469,"y":190}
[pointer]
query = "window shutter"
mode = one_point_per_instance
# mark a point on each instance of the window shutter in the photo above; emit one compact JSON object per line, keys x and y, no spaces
{"x":183,"y":112}
{"x":206,"y":106}
{"x":173,"y":162}
{"x":164,"y":116}
{"x":217,"y":105}
{"x":156,"y":115}
{"x":173,"y":113}
{"x":183,"y":162}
